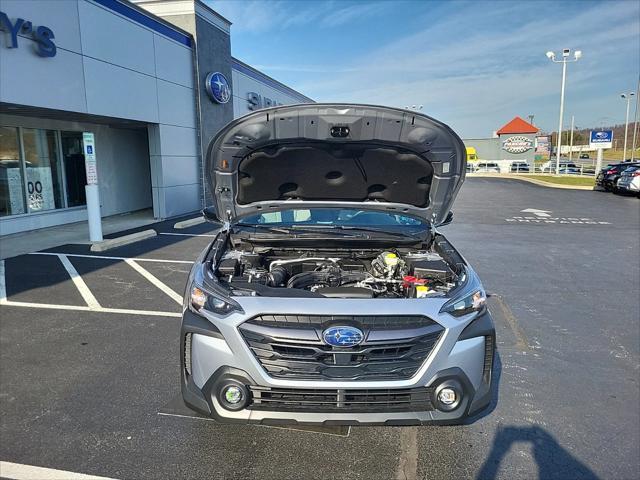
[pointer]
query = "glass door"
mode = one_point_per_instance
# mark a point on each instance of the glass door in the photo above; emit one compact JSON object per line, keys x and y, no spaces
{"x":75,"y":173}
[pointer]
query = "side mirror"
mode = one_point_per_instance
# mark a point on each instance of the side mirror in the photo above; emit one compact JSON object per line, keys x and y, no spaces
{"x":210,"y":215}
{"x":448,"y":219}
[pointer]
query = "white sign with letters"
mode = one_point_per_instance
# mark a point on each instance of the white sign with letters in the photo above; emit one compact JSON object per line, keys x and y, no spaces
{"x":89,"y":147}
{"x":40,"y":189}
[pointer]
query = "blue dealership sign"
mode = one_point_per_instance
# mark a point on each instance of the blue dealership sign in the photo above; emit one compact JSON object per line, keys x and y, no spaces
{"x":218,"y":87}
{"x":601,"y":139}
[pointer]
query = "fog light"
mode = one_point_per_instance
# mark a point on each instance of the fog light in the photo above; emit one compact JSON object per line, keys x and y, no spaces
{"x":447,"y":396}
{"x":233,"y":394}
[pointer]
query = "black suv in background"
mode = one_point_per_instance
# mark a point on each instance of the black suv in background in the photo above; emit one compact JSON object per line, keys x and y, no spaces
{"x":609,"y":175}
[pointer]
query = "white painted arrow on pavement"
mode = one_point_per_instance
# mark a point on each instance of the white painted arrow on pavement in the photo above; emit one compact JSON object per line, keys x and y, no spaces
{"x":537,"y":213}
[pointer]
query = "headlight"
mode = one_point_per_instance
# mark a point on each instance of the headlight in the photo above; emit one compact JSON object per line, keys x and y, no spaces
{"x":212,"y":302}
{"x":476,"y":301}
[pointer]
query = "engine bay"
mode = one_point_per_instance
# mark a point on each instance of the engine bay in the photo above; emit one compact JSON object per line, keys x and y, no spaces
{"x":361,"y":274}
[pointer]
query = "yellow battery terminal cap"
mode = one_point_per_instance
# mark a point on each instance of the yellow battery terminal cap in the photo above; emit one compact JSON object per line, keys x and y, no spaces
{"x":421,"y":291}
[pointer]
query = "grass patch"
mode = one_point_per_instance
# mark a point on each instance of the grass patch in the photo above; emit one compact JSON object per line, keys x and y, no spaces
{"x":611,"y":155}
{"x":565,"y":179}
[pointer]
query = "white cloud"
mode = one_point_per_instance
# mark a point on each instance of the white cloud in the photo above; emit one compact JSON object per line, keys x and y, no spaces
{"x":258,"y":16}
{"x":467,"y":74}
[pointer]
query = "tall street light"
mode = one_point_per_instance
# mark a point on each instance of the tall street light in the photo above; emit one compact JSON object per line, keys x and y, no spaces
{"x":635,"y":122}
{"x":626,"y":96}
{"x":565,"y":59}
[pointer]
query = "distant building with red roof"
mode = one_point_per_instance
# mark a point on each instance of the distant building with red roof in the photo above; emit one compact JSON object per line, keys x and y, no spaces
{"x":515,"y":142}
{"x":517,"y":125}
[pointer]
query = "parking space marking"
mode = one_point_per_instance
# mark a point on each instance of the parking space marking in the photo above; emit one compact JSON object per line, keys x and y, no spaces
{"x":156,"y":281}
{"x":92,"y":303}
{"x":82,"y":308}
{"x":79,"y":283}
{"x":19,"y":471}
{"x":137,"y":259}
{"x":188,"y":234}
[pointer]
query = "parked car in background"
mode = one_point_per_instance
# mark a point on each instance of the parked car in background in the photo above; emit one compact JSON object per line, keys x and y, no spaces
{"x":550,"y":166}
{"x":607,"y":178}
{"x":569,"y":171}
{"x":488,"y":167}
{"x":520,"y":167}
{"x":471,"y":168}
{"x":629,"y":181}
{"x":584,"y":156}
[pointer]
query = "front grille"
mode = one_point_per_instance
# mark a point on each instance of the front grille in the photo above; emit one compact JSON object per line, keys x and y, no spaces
{"x":372,"y":322}
{"x":298,"y":353}
{"x":327,"y":400}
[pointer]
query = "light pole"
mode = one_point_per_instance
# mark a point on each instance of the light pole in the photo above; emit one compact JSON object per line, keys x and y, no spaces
{"x":565,"y":59}
{"x":635,"y":123}
{"x":626,"y":96}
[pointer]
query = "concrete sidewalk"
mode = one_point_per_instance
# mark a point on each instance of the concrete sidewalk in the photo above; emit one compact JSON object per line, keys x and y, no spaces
{"x":78,"y":233}
{"x":524,"y":178}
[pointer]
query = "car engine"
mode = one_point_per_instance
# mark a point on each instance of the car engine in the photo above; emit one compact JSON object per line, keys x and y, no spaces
{"x":386,"y":274}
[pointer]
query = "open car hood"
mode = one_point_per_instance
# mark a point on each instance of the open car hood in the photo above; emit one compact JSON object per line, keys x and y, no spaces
{"x":335,"y":155}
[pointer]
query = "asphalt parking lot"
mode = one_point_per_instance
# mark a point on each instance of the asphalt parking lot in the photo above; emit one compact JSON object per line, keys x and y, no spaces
{"x":89,"y":358}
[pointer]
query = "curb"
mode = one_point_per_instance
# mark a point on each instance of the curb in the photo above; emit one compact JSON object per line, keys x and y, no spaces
{"x":124,"y":240}
{"x":188,"y":223}
{"x":532,"y":180}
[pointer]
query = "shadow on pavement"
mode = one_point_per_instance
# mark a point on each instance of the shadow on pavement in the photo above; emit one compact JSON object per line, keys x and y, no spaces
{"x":553,"y":461}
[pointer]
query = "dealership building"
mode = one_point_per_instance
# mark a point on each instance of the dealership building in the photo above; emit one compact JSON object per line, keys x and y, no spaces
{"x":152,"y":80}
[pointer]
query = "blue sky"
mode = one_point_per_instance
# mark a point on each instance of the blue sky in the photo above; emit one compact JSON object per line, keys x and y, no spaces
{"x":472,"y":64}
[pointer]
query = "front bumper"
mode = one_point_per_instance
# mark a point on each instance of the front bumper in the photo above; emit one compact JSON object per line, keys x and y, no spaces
{"x":216,"y":354}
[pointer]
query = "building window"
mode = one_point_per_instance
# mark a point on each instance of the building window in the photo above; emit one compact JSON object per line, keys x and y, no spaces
{"x":12,"y":199}
{"x":40,"y":170}
{"x":43,"y":168}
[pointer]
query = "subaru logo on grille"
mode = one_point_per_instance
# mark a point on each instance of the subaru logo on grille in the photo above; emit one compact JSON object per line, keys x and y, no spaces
{"x":342,"y":336}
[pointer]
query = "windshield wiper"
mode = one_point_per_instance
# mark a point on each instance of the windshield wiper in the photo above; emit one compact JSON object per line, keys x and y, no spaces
{"x":293,"y":229}
{"x":342,"y":230}
{"x":375,"y":230}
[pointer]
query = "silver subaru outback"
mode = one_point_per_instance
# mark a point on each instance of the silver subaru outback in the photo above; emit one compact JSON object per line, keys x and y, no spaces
{"x":328,"y":295}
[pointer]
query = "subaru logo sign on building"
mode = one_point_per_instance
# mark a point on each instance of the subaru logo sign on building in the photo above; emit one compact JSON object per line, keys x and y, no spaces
{"x":342,"y":336}
{"x":517,"y":144}
{"x":218,"y":87}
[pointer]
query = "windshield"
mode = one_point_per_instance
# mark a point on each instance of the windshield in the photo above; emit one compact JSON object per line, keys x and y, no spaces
{"x":335,"y":217}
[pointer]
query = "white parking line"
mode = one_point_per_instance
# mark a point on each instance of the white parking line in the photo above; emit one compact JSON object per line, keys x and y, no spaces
{"x":88,"y":297}
{"x":156,"y":281}
{"x":82,"y":308}
{"x":188,"y":234}
{"x":18,"y":471}
{"x":104,"y":257}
